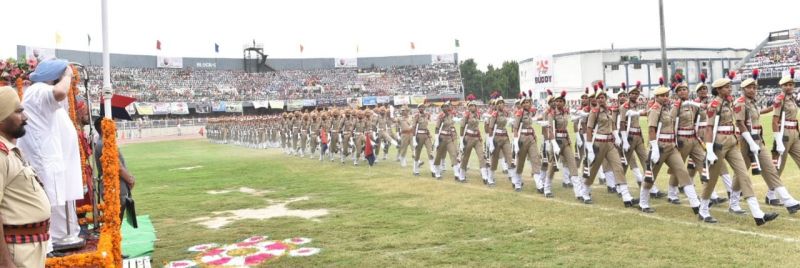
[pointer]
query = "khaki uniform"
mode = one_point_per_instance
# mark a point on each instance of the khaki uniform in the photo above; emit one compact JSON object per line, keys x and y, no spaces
{"x":601,"y":120}
{"x":689,"y":145}
{"x":472,"y":140}
{"x":423,"y":137}
{"x":304,"y":125}
{"x":502,"y":144}
{"x":527,"y":141}
{"x":791,"y":141}
{"x":560,"y":120}
{"x":384,"y":134}
{"x":728,"y":151}
{"x":406,"y":133}
{"x":359,"y":130}
{"x":335,"y":132}
{"x":746,"y":111}
{"x":295,"y":133}
{"x":348,"y":124}
{"x":22,"y":202}
{"x":313,"y":130}
{"x":667,"y":144}
{"x":447,"y":139}
{"x":635,"y":138}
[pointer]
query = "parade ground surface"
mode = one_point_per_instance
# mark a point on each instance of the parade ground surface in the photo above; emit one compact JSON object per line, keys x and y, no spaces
{"x":197,"y":192}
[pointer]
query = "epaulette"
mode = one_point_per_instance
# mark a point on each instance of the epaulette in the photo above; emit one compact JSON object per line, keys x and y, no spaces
{"x":778,"y":100}
{"x":519,"y":112}
{"x":595,"y":110}
{"x":494,"y":114}
{"x":466,"y":115}
{"x":740,"y":99}
{"x":586,"y":109}
{"x":3,"y":148}
{"x":712,"y":108}
{"x":654,"y":106}
{"x":627,"y":105}
{"x":613,"y":108}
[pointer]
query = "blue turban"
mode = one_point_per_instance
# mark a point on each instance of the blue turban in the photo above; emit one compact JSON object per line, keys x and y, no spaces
{"x":49,"y":70}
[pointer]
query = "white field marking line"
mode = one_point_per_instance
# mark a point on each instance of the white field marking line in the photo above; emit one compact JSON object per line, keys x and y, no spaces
{"x":636,"y":212}
{"x":185,"y":168}
{"x":458,"y":242}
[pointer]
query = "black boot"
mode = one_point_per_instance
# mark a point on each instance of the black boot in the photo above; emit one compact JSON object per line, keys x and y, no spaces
{"x":767,"y":217}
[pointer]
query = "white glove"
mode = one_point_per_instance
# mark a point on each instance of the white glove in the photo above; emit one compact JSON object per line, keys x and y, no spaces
{"x":543,"y":123}
{"x":655,"y":154}
{"x":516,"y":144}
{"x":751,"y":143}
{"x":490,"y":143}
{"x":461,"y":145}
{"x":633,"y":113}
{"x":352,"y":143}
{"x":710,"y":156}
{"x":436,"y":142}
{"x":394,"y":142}
{"x":319,"y":140}
{"x":578,"y":140}
{"x":414,"y":142}
{"x":589,"y":152}
{"x":547,"y":146}
{"x":779,"y":143}
{"x":556,"y":149}
{"x":625,"y":145}
{"x":582,"y":114}
{"x":457,"y":119}
{"x":617,"y":140}
{"x":695,"y":104}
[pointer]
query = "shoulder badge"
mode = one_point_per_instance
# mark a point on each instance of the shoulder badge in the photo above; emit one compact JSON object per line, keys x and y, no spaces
{"x":778,"y":100}
{"x":3,"y":148}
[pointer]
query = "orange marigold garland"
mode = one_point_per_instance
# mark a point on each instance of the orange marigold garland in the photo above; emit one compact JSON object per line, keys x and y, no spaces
{"x":20,"y":84}
{"x":109,"y":251}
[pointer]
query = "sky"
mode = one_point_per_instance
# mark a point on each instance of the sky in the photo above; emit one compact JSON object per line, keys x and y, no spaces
{"x":489,"y":31}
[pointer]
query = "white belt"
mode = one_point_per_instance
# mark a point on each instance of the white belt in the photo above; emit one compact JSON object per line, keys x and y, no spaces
{"x":725,"y":128}
{"x":444,"y":132}
{"x":562,"y":135}
{"x":791,"y":123}
{"x":666,"y":136}
{"x":422,"y":132}
{"x":472,"y":132}
{"x":500,"y":131}
{"x":755,"y":132}
{"x":702,"y":124}
{"x":685,"y":132}
{"x":526,"y":130}
{"x":635,"y":130}
{"x":602,"y":137}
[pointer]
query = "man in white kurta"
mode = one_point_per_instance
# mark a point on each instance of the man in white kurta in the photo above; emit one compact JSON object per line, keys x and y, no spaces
{"x":51,"y":145}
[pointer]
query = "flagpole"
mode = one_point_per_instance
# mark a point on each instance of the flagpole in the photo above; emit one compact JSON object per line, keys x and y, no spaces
{"x":107,"y":90}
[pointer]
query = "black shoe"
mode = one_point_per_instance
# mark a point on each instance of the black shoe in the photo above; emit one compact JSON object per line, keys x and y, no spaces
{"x":632,"y":203}
{"x":708,"y":219}
{"x":587,"y":201}
{"x":433,"y":175}
{"x":793,"y":209}
{"x":611,"y":190}
{"x":767,"y":217}
{"x":602,"y":181}
{"x":648,"y":210}
{"x":721,"y":200}
{"x":580,"y":198}
{"x":549,"y":195}
{"x":640,"y":184}
{"x":517,"y":189}
{"x":566,"y":185}
{"x":540,"y":190}
{"x":680,"y":189}
{"x":491,"y":185}
{"x":658,"y":195}
{"x":696,"y":210}
{"x":505,"y":171}
{"x":773,"y":202}
{"x":737,"y":212}
{"x":674,"y":201}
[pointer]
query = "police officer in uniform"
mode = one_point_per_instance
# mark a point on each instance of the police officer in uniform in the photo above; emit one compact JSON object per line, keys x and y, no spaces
{"x":599,"y":131}
{"x":558,"y":119}
{"x":421,"y":139}
{"x":525,"y":142}
{"x":632,"y":140}
{"x":471,"y":140}
{"x":721,"y":147}
{"x":498,"y":138}
{"x":406,"y":133}
{"x":445,"y":128}
{"x":664,"y":148}
{"x":24,"y":206}
{"x":688,"y":134}
{"x":787,"y":143}
{"x":748,"y":121}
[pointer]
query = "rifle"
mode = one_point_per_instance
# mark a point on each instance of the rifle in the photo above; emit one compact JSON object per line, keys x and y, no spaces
{"x":414,"y":141}
{"x":622,"y":157}
{"x":586,"y":164}
{"x":648,"y":173}
{"x":713,"y":138}
{"x":438,"y":131}
{"x":579,"y":136}
{"x":690,"y":164}
{"x":515,"y":146}
{"x":556,"y":157}
{"x":755,"y":163}
{"x":463,"y":138}
{"x":776,"y":157}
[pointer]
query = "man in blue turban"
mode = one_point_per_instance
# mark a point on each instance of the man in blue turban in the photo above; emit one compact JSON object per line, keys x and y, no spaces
{"x":52,"y":148}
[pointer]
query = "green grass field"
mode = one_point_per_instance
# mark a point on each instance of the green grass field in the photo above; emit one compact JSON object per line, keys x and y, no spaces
{"x":385,"y":217}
